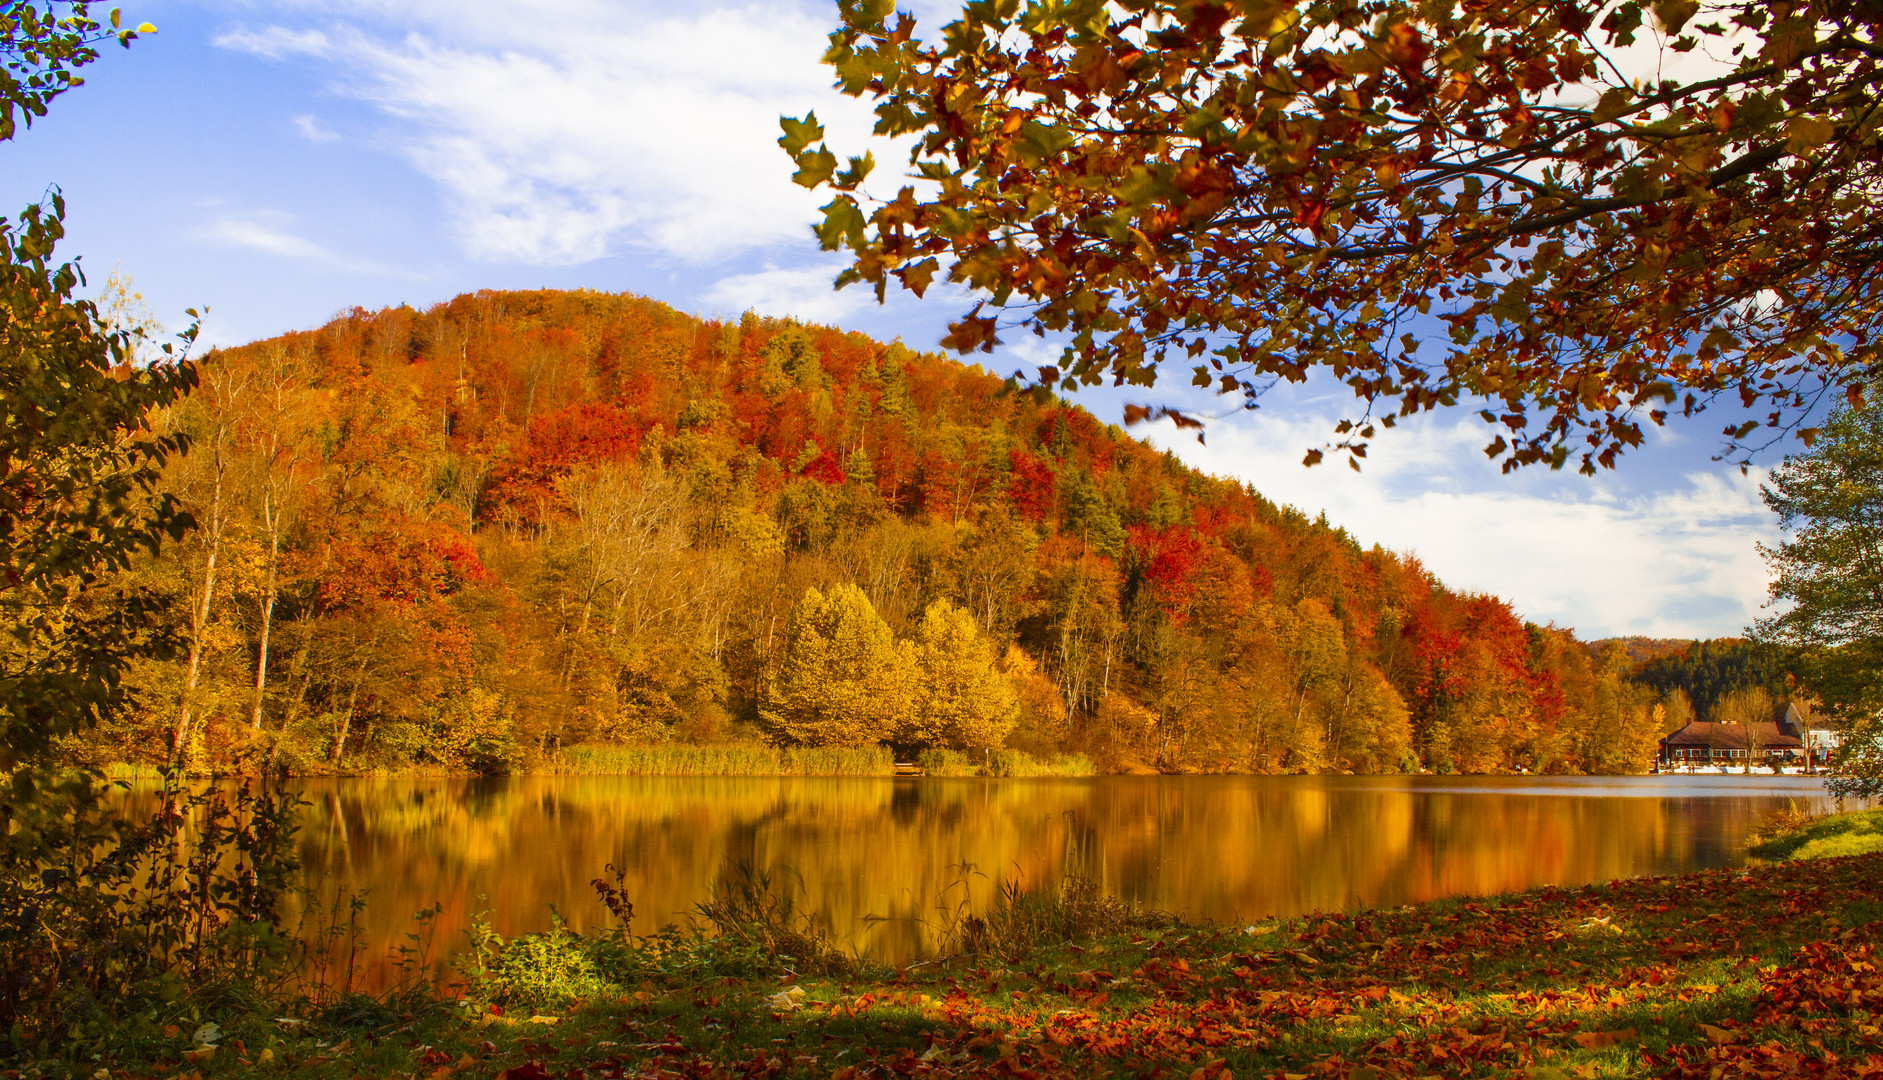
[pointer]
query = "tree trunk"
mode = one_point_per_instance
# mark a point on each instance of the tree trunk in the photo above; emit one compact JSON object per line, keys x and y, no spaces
{"x":345,"y":727}
{"x":199,"y":617}
{"x":271,"y":515}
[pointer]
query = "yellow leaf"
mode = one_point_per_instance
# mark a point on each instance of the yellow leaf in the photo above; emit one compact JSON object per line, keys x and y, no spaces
{"x":1804,"y":133}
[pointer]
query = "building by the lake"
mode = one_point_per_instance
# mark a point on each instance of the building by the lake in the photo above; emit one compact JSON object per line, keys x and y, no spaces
{"x":1782,"y":740}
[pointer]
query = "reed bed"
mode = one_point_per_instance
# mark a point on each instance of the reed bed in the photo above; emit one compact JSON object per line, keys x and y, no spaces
{"x":1021,"y":764}
{"x":1009,"y":763}
{"x":739,"y":760}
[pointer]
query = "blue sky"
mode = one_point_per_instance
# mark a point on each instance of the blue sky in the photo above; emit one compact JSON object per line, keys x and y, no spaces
{"x":279,"y":163}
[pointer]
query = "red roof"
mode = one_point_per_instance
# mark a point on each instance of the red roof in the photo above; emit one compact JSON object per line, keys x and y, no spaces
{"x":1723,"y":736}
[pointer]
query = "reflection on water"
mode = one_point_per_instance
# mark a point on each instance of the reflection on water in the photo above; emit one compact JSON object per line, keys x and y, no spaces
{"x":899,"y":850}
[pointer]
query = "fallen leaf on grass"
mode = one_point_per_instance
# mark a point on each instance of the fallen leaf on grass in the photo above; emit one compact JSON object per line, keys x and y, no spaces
{"x":1717,"y":1035}
{"x":1596,"y":1040}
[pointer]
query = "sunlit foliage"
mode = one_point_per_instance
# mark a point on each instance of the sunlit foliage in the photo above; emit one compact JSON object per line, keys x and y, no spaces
{"x":1572,"y":217}
{"x":476,"y":536}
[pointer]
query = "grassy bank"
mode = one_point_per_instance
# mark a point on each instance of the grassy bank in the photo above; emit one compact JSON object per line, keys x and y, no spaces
{"x":1766,"y":972}
{"x":1800,"y":835}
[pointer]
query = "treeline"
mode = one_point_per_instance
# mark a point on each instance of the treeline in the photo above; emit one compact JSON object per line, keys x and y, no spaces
{"x":1711,"y":672}
{"x":474,"y":536}
{"x":1734,"y":680}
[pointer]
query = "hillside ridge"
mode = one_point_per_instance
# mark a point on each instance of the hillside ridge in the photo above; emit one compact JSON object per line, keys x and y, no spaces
{"x":517,"y":521}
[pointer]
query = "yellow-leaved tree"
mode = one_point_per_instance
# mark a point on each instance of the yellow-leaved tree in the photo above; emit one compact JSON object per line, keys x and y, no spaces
{"x":962,"y":701}
{"x":844,"y":680}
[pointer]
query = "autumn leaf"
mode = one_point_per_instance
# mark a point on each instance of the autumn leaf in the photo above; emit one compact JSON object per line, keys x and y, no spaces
{"x":1596,"y":1040}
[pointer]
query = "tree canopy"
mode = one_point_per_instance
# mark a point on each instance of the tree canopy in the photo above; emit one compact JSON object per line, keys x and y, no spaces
{"x":1576,"y":217}
{"x":1829,"y":580}
{"x":961,"y":700}
{"x":844,"y":680}
{"x":78,"y":474}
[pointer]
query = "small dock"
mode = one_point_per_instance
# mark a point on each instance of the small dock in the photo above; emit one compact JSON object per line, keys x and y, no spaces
{"x":909,"y":768}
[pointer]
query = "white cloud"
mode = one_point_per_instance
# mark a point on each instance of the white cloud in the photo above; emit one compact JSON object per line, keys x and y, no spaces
{"x":275,"y":42}
{"x":268,"y":233}
{"x":312,"y":129}
{"x":803,"y":293}
{"x":565,"y":131}
{"x":1586,"y":553}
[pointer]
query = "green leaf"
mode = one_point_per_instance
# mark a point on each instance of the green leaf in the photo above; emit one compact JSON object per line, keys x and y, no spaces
{"x":1615,"y":102}
{"x":855,"y":174}
{"x":1622,"y":23}
{"x":1044,"y":140}
{"x":843,"y":221}
{"x":800,"y":133}
{"x":815,"y":167}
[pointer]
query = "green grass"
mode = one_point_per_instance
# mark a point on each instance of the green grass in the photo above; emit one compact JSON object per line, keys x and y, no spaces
{"x":674,"y":759}
{"x":1762,"y":972}
{"x":1799,"y":835}
{"x":1765,"y":972}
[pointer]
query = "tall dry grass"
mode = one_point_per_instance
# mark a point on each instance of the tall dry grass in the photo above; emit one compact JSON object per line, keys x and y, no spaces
{"x":675,"y":759}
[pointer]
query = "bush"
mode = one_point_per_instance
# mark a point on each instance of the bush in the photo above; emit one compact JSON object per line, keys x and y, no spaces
{"x":131,"y":917}
{"x":1024,"y":920}
{"x":757,"y":932}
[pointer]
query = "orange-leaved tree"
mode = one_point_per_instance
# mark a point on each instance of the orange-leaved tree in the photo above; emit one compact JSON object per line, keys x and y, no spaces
{"x":1575,"y":216}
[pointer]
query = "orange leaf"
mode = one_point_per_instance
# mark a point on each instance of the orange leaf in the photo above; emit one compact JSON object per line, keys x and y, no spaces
{"x":1596,"y":1040}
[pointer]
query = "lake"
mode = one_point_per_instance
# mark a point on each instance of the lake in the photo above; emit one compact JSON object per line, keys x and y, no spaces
{"x":882,"y":861}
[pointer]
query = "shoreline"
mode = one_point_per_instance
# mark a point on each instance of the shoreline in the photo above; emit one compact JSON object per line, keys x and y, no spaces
{"x":1747,"y":971}
{"x":138,"y":772}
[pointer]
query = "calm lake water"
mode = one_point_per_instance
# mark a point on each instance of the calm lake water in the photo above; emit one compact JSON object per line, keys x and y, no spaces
{"x":879,"y":859}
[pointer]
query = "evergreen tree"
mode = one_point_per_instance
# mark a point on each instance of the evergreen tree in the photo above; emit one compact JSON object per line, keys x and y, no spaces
{"x":844,"y":680}
{"x":1091,"y":518}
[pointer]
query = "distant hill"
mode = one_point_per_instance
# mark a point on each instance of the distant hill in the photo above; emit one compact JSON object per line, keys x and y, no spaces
{"x":471,"y":535}
{"x":1707,"y":672}
{"x":1640,"y":650}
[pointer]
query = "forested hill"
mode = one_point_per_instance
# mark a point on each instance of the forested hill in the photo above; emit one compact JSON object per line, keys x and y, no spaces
{"x":517,"y":522}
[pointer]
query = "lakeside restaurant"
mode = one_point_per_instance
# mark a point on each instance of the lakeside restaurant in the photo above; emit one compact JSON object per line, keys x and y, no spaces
{"x":1781,"y":740}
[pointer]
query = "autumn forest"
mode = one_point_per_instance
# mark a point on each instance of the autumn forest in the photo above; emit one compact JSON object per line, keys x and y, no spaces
{"x":478,"y":536}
